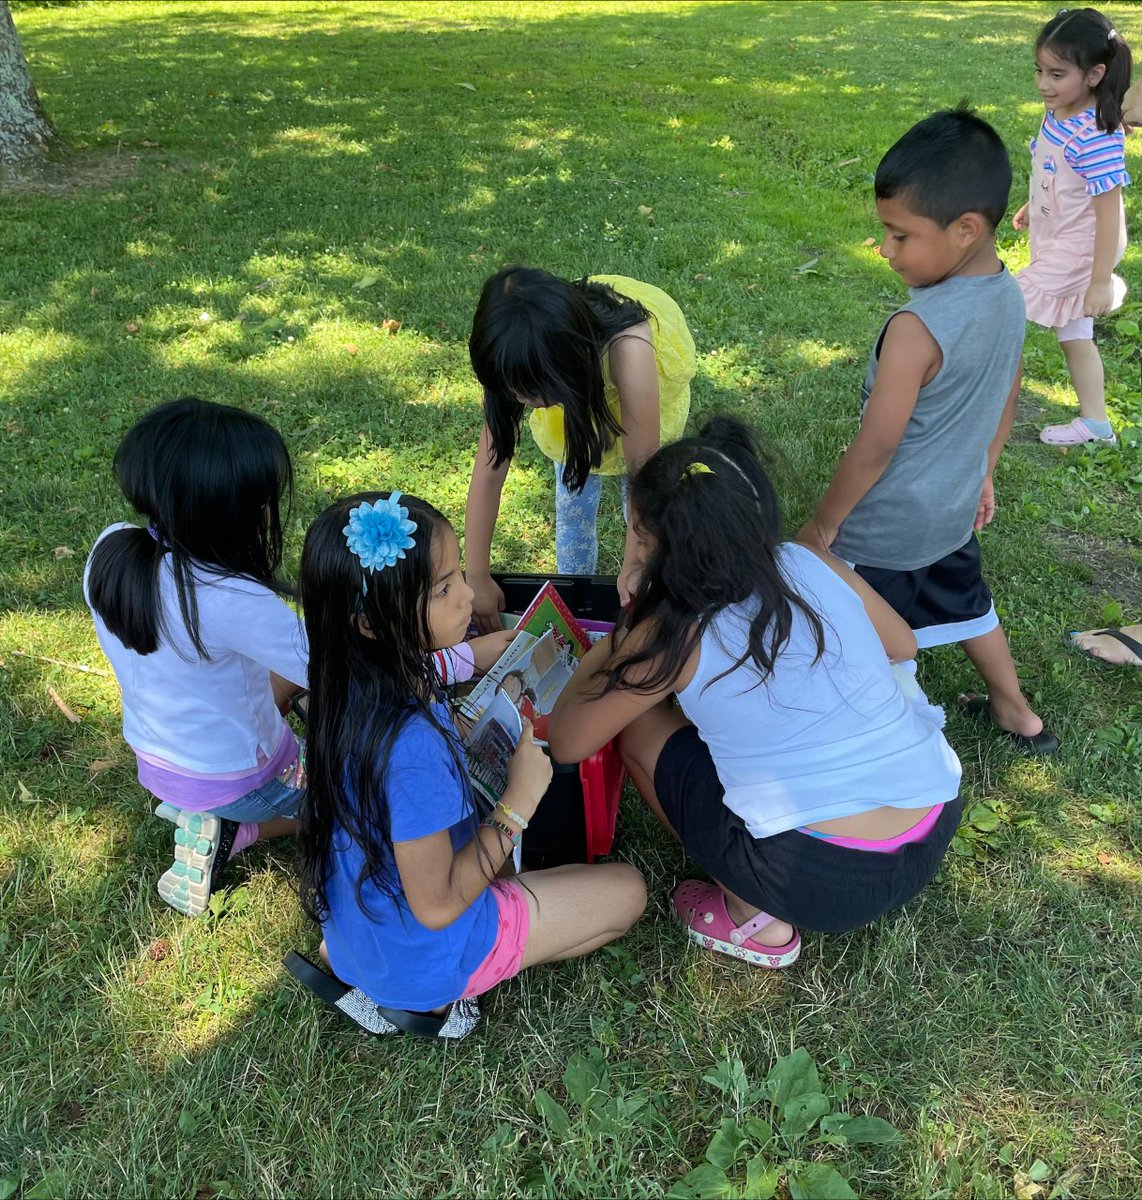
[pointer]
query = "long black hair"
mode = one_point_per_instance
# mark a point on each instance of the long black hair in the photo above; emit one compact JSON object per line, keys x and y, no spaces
{"x":538,"y":337}
{"x":210,"y":480}
{"x":1085,"y":38}
{"x":370,"y":673}
{"x":715,"y":521}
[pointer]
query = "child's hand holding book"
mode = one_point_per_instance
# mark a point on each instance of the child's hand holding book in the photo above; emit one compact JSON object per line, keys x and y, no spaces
{"x":487,"y":648}
{"x":529,"y":775}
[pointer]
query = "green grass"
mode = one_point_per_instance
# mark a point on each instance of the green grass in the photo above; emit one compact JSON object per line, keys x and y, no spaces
{"x":257,"y":188}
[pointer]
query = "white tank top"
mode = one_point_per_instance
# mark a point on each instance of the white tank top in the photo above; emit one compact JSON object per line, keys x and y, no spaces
{"x":817,"y":740}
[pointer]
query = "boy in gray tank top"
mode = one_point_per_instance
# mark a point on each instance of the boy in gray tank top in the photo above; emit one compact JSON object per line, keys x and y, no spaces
{"x":938,"y":403}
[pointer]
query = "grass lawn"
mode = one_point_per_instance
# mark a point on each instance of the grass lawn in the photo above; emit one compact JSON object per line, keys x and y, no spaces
{"x":258,"y":187}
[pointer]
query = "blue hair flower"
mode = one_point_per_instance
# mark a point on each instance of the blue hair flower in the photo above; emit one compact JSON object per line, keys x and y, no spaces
{"x":378,"y":534}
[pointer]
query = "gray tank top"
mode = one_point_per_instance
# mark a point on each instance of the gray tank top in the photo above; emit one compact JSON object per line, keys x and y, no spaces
{"x":923,"y":506}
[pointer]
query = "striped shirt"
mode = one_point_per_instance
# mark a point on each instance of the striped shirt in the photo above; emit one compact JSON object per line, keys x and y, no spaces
{"x":1098,"y":158}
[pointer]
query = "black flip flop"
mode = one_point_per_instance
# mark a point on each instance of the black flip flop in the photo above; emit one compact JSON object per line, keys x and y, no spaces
{"x":1040,"y":743}
{"x":1131,"y":644}
{"x":378,"y":1019}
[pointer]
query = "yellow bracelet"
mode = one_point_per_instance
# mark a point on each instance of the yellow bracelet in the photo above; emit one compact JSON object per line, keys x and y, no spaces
{"x":512,"y":815}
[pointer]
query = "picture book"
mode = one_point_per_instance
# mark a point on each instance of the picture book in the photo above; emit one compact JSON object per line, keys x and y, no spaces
{"x":474,"y":703}
{"x":489,"y":747}
{"x":535,"y":679}
{"x":548,"y":611}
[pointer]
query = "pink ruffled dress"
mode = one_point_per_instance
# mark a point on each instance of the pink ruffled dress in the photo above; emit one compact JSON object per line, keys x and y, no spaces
{"x":1062,"y":218}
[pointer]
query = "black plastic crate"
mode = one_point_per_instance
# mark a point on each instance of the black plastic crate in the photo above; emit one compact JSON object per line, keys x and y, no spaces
{"x":590,"y":597}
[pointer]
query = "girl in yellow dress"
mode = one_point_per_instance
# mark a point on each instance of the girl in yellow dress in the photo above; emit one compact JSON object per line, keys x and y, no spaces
{"x":604,"y":363}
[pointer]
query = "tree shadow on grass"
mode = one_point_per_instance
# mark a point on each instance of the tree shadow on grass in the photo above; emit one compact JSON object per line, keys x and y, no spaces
{"x":185,"y":1074}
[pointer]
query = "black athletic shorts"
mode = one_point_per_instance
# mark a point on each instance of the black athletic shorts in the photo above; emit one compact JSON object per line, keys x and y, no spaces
{"x":947,"y":601}
{"x":810,"y":883}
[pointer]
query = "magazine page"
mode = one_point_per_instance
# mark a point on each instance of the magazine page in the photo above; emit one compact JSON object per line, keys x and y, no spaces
{"x":536,"y":678}
{"x":490,"y":746}
{"x":548,"y":612}
{"x":474,"y":703}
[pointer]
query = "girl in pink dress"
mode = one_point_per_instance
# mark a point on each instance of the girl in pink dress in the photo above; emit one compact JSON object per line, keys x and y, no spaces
{"x":1075,"y":212}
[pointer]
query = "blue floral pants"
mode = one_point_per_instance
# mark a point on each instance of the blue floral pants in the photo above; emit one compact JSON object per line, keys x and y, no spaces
{"x":576,"y":519}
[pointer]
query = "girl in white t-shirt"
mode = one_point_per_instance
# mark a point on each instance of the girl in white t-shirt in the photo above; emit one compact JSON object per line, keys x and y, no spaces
{"x":801,"y":769}
{"x":188,"y":610}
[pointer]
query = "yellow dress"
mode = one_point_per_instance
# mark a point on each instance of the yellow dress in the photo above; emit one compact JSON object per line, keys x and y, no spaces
{"x":673,"y":361}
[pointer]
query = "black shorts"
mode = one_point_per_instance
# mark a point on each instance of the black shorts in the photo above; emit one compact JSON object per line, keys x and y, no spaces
{"x":947,"y":601}
{"x":810,"y":883}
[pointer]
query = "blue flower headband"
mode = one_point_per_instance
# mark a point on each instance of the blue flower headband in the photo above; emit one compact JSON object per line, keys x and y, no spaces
{"x":378,"y":534}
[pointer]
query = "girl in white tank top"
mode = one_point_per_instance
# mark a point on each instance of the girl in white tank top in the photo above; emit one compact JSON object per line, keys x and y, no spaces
{"x":805,"y":772}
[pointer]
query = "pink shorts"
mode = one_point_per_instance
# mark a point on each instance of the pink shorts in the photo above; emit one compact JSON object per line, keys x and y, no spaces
{"x":506,"y":955}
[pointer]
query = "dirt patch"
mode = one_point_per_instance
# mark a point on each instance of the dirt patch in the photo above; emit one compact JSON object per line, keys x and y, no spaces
{"x":65,"y":173}
{"x":1115,"y":565}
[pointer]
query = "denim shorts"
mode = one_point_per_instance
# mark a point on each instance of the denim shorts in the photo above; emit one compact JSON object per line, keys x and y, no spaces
{"x":275,"y":798}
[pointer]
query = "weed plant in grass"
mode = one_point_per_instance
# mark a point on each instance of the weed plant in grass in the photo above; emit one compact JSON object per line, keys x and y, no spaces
{"x":256,"y":189}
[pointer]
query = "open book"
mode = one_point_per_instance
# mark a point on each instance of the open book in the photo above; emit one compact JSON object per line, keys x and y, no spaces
{"x":534,"y":668}
{"x":525,"y":681}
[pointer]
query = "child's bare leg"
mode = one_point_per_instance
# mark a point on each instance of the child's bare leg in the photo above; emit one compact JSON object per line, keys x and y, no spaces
{"x":992,"y":658}
{"x":1085,"y":366}
{"x":640,"y":744}
{"x":578,"y":908}
{"x":277,"y":827}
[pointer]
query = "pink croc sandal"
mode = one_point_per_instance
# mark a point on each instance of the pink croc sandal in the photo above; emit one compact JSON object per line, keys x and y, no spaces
{"x":702,"y":907}
{"x":1073,"y":433}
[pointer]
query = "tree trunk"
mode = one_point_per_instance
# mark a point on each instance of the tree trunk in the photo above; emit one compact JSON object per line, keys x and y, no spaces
{"x":25,"y":130}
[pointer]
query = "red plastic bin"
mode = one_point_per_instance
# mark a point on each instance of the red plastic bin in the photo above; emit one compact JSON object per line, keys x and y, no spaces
{"x":594,"y":600}
{"x":602,"y":776}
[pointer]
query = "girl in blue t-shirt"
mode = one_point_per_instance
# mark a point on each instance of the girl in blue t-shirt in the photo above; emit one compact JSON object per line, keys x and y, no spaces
{"x":407,"y":882}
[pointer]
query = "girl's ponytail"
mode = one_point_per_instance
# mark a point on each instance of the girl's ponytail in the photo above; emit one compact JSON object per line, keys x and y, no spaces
{"x":210,"y":481}
{"x":1112,"y":86}
{"x":714,"y":521}
{"x":123,"y":586}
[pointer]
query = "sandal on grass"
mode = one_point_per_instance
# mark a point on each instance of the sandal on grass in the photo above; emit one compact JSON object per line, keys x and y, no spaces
{"x":461,"y":1018}
{"x":1073,"y":433}
{"x":202,"y":846}
{"x":1039,"y":743}
{"x":1132,"y":644}
{"x":702,"y":908}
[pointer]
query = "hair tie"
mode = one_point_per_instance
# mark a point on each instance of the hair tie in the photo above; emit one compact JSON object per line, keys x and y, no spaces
{"x":1112,"y":34}
{"x":696,"y":468}
{"x":378,"y":534}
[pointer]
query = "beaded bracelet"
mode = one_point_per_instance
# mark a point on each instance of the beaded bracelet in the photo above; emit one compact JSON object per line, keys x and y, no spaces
{"x":511,"y":815}
{"x":515,"y":837}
